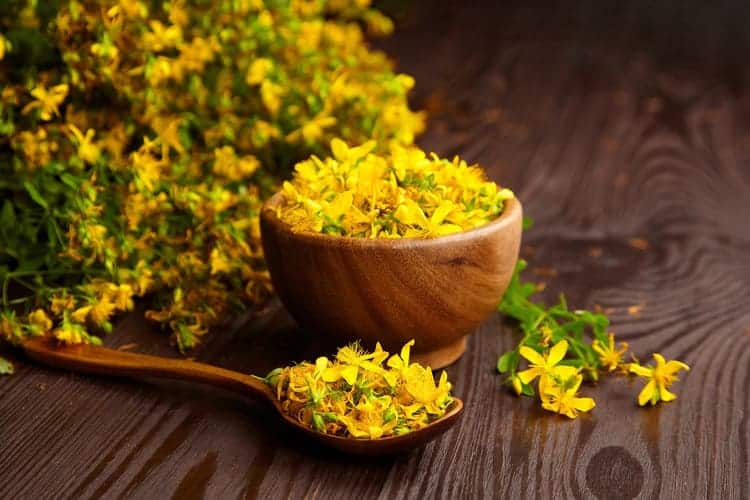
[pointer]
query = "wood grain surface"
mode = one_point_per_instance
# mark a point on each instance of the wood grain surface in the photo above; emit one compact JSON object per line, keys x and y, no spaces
{"x":624,"y":127}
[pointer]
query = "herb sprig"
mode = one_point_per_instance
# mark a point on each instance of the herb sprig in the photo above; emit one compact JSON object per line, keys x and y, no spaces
{"x":542,"y":326}
{"x":564,"y":347}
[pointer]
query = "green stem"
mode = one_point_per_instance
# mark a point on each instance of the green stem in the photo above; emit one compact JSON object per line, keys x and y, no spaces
{"x":23,"y":283}
{"x":51,"y":272}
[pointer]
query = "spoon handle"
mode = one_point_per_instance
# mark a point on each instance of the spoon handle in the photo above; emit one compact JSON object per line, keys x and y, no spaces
{"x":104,"y":361}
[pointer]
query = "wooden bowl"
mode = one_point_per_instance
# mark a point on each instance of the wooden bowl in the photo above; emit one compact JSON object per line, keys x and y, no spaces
{"x":436,"y":291}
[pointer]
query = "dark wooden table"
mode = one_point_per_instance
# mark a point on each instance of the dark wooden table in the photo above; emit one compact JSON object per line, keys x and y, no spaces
{"x":625,"y":129}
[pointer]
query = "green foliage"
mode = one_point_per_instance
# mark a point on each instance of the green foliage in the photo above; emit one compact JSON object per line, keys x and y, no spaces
{"x":6,"y":367}
{"x":543,"y":326}
{"x":139,"y":138}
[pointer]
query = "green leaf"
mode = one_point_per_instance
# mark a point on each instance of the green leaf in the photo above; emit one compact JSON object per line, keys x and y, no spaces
{"x":69,"y":180}
{"x":185,"y":339}
{"x":35,"y":195}
{"x":6,"y":367}
{"x":527,"y":390}
{"x":7,"y":215}
{"x":507,"y":362}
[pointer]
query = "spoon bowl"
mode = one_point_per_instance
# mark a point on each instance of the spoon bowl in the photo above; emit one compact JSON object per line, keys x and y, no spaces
{"x":104,"y":361}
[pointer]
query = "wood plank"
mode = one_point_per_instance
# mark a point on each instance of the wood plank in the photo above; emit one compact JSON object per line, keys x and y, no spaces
{"x":611,"y":121}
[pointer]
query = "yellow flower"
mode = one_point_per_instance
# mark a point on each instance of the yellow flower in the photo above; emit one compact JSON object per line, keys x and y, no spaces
{"x":87,"y":150}
{"x":161,"y":37}
{"x":143,"y":278}
{"x":70,"y":333}
{"x":398,"y":364}
{"x":258,"y":71}
{"x":563,"y":400}
{"x":123,"y":297}
{"x":37,"y":147}
{"x":39,"y":321}
{"x":102,"y":310}
{"x":162,"y":69}
{"x":219,"y":262}
{"x":168,"y":130}
{"x":147,"y":167}
{"x":541,"y":365}
{"x":312,"y":130}
{"x":62,"y":303}
{"x":3,"y":46}
{"x":411,"y":213}
{"x":420,"y":384}
{"x":47,"y":101}
{"x":516,"y":384}
{"x":609,"y":356}
{"x":227,"y":164}
{"x":270,"y":94}
{"x":560,"y":375}
{"x":355,"y":358}
{"x":370,"y":421}
{"x":195,"y":55}
{"x":342,"y":152}
{"x":401,"y":362}
{"x":133,"y":8}
{"x":8,"y":325}
{"x":338,"y":207}
{"x":81,"y":314}
{"x":660,"y":377}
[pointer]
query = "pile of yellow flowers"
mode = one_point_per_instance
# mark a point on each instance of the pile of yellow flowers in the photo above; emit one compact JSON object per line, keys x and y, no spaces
{"x":138,"y":139}
{"x":399,"y":194}
{"x":355,"y":395}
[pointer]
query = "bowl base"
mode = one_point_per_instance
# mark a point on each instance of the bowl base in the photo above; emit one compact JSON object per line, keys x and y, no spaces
{"x":443,"y":356}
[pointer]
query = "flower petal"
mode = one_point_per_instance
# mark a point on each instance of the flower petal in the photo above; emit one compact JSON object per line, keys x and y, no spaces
{"x":641,"y":371}
{"x":674,"y":366}
{"x":320,"y":364}
{"x":647,"y":393}
{"x":569,"y":412}
{"x":550,"y":405}
{"x":395,"y":362}
{"x":339,"y":149}
{"x":666,"y":395}
{"x":517,"y":385}
{"x":531,"y":355}
{"x":557,"y":353}
{"x":405,"y":352}
{"x":330,"y":374}
{"x":583,"y":404}
{"x":659,"y":359}
{"x":376,"y":431}
{"x":391,"y":378}
{"x":527,"y":376}
{"x":350,"y":374}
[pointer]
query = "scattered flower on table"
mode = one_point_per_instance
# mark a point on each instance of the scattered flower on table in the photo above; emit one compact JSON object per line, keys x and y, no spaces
{"x":564,"y":348}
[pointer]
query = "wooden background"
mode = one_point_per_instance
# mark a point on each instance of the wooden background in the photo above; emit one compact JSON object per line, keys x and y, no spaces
{"x":625,"y":129}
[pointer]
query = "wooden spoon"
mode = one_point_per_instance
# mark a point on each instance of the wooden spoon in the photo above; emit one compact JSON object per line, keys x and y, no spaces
{"x":104,"y":361}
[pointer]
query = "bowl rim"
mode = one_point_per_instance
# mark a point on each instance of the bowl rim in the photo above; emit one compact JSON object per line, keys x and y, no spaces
{"x":511,"y":211}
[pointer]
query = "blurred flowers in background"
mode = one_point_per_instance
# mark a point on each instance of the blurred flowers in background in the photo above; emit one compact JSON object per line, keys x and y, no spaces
{"x":138,"y":139}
